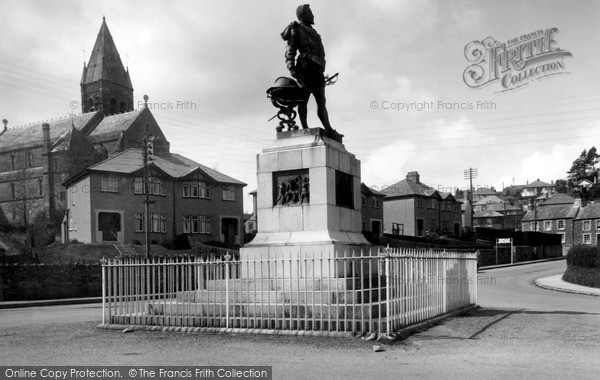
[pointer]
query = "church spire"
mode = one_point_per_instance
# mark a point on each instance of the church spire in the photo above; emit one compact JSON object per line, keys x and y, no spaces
{"x":105,"y":84}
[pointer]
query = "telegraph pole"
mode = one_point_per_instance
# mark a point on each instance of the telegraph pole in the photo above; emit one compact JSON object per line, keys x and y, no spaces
{"x":471,"y":173}
{"x":145,"y":153}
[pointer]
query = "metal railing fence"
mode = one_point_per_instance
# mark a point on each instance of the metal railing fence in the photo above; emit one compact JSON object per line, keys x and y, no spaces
{"x":355,"y":292}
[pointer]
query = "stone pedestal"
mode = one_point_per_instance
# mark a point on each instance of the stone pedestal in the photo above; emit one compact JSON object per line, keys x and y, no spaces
{"x":327,"y":224}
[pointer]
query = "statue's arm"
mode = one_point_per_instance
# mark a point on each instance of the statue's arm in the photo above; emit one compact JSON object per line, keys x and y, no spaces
{"x":290,"y":35}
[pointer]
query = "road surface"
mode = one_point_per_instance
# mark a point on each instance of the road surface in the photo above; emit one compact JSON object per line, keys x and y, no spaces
{"x":520,"y":331}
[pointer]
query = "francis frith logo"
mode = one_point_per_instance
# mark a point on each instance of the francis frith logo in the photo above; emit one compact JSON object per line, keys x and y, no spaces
{"x":515,"y":63}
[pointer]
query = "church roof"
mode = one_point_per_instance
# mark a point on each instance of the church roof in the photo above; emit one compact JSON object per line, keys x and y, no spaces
{"x":31,"y":135}
{"x":105,"y":62}
{"x":114,"y":124}
{"x":172,"y":164}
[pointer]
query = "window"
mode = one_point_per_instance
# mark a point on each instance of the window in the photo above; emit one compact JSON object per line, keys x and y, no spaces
{"x":364,"y":201}
{"x":29,"y":159}
{"x":560,"y":224}
{"x":587,"y":225}
{"x":140,"y":222}
{"x":547,"y":225}
{"x":375,"y":203}
{"x":419,"y":203}
{"x":532,"y":226}
{"x":598,"y":224}
{"x":156,"y":186}
{"x":196,"y":224}
{"x":12,"y":162}
{"x":195,"y":189}
{"x":158,"y":222}
{"x":228,"y":193}
{"x":110,"y":183}
{"x":41,"y":186}
{"x":138,"y":185}
{"x":587,"y":239}
{"x":562,"y":238}
{"x":433,"y":203}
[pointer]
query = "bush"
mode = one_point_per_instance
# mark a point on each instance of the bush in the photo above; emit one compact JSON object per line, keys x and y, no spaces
{"x":583,"y":266}
{"x":585,"y":256}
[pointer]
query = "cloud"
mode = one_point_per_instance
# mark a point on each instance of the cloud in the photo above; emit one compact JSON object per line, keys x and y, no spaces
{"x":388,"y":164}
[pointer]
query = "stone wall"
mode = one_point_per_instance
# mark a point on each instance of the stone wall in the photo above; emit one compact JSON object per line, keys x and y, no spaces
{"x":38,"y":281}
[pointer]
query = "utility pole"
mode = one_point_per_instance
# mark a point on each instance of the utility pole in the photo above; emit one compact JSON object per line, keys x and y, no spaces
{"x":145,"y":154}
{"x":471,"y":173}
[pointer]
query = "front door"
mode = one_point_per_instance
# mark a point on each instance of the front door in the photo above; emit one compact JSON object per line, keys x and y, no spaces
{"x":109,"y":223}
{"x":229,"y":228}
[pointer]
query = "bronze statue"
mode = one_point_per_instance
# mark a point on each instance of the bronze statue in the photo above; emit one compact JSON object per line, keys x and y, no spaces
{"x":309,"y":67}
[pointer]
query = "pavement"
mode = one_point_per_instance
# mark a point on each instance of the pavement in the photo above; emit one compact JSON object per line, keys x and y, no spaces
{"x":557,"y":283}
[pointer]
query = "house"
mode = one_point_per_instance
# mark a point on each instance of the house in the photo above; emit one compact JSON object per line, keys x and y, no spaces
{"x":494,"y":212}
{"x":537,"y":188}
{"x":35,"y":159}
{"x":586,"y":226}
{"x":372,"y":210}
{"x":106,"y":201}
{"x":412,"y":208}
{"x":251,"y":224}
{"x":556,"y":215}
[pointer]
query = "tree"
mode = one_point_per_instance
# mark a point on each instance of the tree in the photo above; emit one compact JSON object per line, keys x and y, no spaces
{"x":563,"y":186}
{"x":584,"y":167}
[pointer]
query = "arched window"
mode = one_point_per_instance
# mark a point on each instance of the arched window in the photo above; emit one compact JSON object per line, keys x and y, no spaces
{"x":105,"y":154}
{"x":97,"y":103}
{"x":122,"y":107}
{"x":91,"y":105}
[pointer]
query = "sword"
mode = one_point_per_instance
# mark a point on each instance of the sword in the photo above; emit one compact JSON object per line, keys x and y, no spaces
{"x":329,"y":80}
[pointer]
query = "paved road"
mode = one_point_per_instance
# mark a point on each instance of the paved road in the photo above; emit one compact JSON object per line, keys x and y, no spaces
{"x":521,"y":331}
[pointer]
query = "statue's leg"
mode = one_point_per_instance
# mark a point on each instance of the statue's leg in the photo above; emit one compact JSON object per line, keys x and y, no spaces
{"x":302,"y":111}
{"x":319,"y":94}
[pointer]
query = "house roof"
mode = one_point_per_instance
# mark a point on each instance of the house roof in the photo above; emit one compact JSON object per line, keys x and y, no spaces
{"x":174,"y":165}
{"x":488,"y":199}
{"x":485,"y":190}
{"x":548,"y":212}
{"x":487,"y":214}
{"x":407,"y":187}
{"x":370,"y":191}
{"x":513,"y":190}
{"x":537,"y":183}
{"x":504,"y":206}
{"x":559,"y":199}
{"x":33,"y":134}
{"x":591,"y":211}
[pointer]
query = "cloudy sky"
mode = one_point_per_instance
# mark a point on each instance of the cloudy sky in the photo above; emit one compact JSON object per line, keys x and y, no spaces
{"x":221,"y":56}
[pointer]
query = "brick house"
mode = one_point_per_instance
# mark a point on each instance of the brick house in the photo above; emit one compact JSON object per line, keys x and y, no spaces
{"x":105,"y":202}
{"x":412,"y":208}
{"x":372,"y":210}
{"x":586,"y":226}
{"x":556,"y":215}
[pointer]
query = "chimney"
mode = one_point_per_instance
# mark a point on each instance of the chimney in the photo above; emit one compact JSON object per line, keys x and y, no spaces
{"x":413,"y":176}
{"x":49,"y":169}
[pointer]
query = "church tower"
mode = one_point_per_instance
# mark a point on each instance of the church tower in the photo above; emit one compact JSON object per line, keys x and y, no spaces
{"x":105,"y":83}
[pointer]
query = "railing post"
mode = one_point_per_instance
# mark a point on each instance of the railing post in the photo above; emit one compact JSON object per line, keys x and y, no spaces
{"x":227,"y":257}
{"x":103,"y":263}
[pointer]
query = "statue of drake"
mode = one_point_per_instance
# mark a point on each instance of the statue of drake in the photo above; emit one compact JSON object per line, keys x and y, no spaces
{"x":309,"y":67}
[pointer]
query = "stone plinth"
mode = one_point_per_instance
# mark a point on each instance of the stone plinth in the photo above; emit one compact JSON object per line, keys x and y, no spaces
{"x":327,"y":221}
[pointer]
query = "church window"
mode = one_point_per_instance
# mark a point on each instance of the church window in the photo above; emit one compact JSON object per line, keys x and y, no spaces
{"x":113,"y":106}
{"x":12,"y":162}
{"x":122,"y":107}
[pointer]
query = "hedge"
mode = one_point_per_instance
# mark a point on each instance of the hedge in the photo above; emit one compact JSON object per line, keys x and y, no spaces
{"x":583,"y":266}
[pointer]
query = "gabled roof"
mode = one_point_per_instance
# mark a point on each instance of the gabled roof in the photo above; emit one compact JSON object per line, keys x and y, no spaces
{"x":591,"y":211}
{"x":369,"y":191}
{"x":33,"y":135}
{"x":489,"y":199}
{"x":551,"y":212}
{"x":487,"y":214}
{"x":105,"y":62}
{"x":537,"y":183}
{"x":172,"y":164}
{"x":113,"y":125}
{"x":485,"y":190}
{"x":559,"y":199}
{"x":504,"y":206}
{"x":407,"y":187}
{"x":513,"y":190}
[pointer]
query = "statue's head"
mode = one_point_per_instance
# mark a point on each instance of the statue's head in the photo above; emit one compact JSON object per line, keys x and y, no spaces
{"x":305,"y":15}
